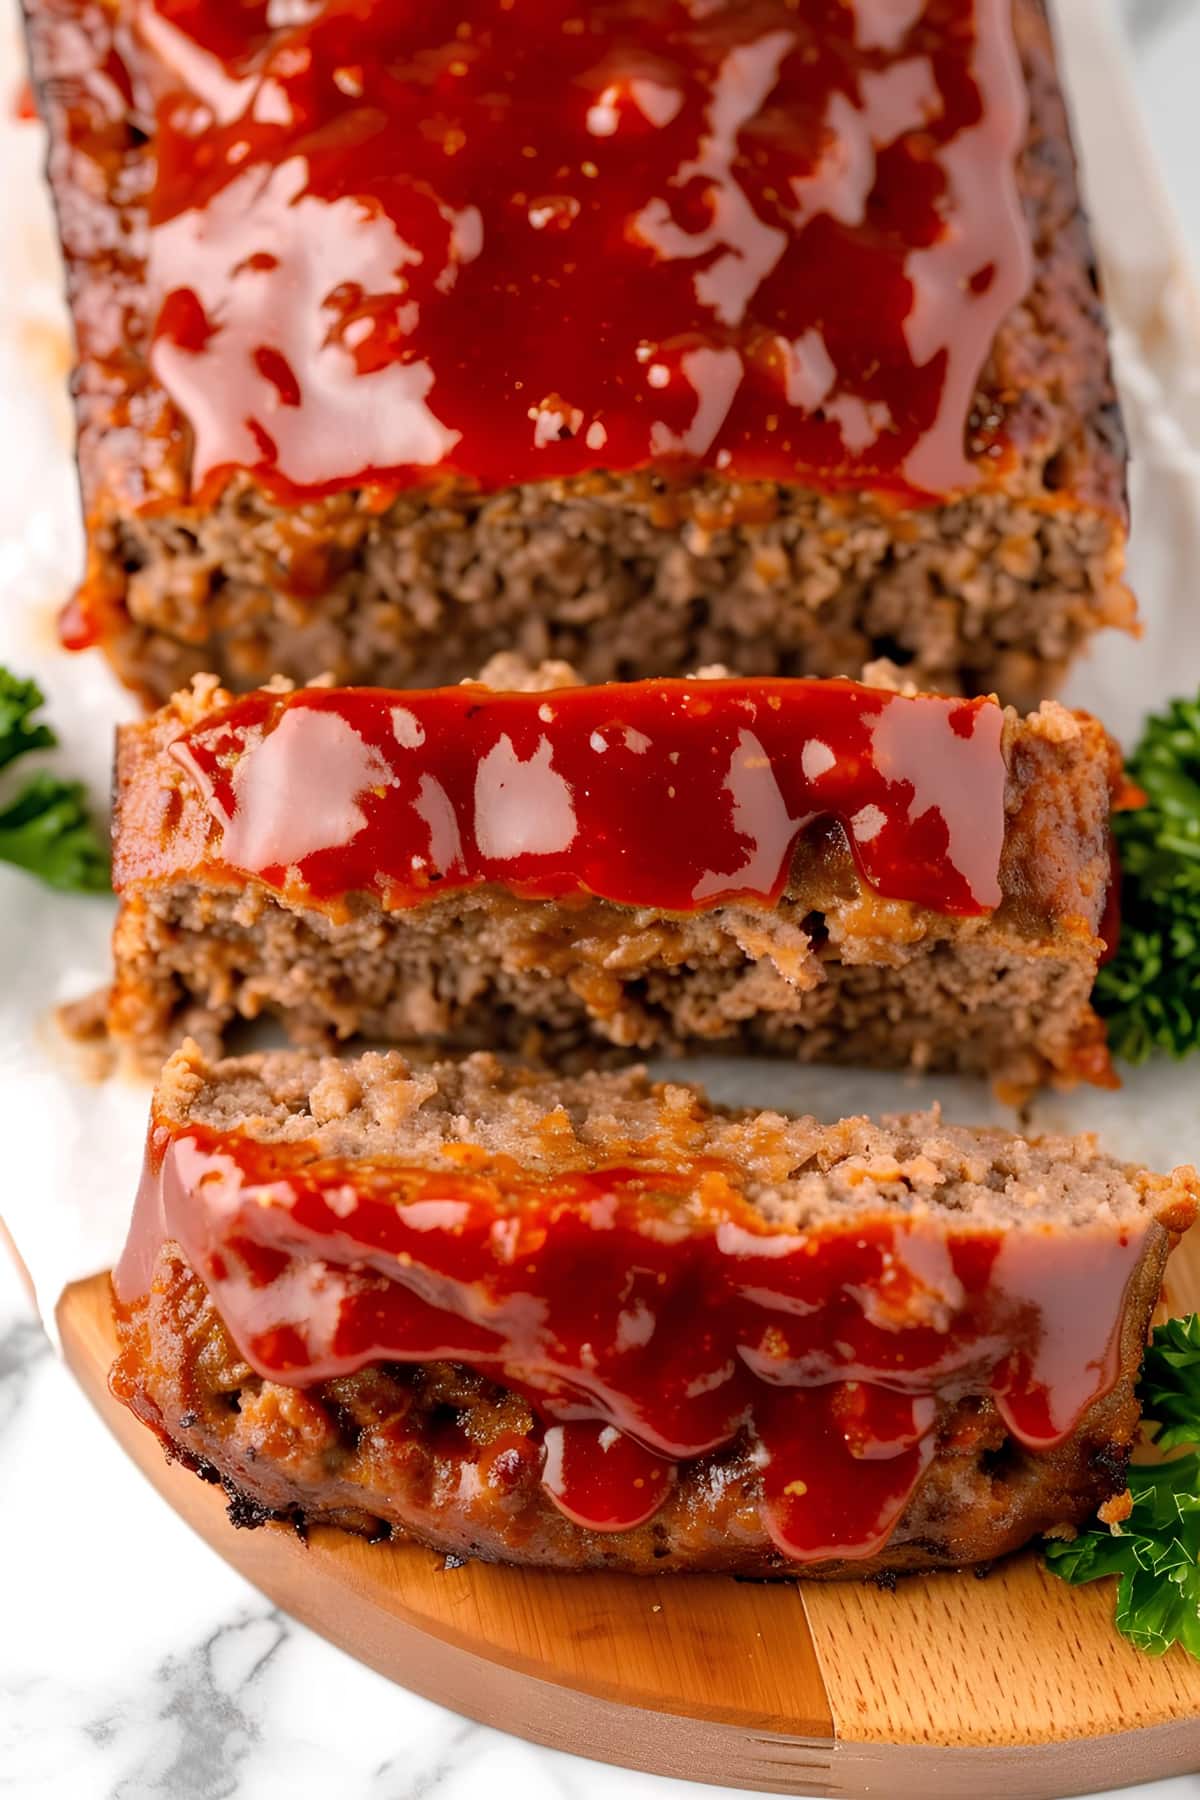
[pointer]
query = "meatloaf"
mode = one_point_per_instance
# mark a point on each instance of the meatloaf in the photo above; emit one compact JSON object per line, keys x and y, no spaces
{"x":643,"y":334}
{"x":823,"y":869}
{"x":600,"y":1323}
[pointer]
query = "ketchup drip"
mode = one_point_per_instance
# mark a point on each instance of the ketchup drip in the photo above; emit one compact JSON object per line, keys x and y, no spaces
{"x":649,"y":1315}
{"x":601,"y":1477}
{"x":394,"y":243}
{"x":674,"y":795}
{"x":862,"y":1448}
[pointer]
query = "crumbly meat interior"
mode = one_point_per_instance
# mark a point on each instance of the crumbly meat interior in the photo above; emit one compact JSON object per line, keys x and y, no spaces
{"x":479,"y":970}
{"x":794,"y":1169}
{"x":987,"y":594}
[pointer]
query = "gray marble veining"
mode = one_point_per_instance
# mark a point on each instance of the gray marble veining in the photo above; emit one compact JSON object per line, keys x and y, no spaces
{"x":204,"y":1731}
{"x":22,"y":1345}
{"x":1145,"y":18}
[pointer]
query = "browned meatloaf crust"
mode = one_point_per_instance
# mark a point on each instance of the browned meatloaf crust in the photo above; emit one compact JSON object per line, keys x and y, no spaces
{"x":442,"y":1453}
{"x":832,"y":972}
{"x":622,"y":574}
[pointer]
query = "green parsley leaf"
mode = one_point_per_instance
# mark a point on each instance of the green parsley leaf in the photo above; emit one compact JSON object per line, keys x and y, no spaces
{"x":46,"y":828}
{"x":1170,"y":1384}
{"x":19,"y":700}
{"x":1155,"y":1552}
{"x":1150,"y":992}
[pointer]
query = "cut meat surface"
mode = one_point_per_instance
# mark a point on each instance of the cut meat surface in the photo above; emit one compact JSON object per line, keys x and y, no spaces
{"x":827,"y":870}
{"x":354,"y":397}
{"x":459,"y":1302}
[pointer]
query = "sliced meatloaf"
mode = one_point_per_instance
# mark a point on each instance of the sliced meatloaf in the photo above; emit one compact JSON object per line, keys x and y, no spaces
{"x":601,"y":1323}
{"x":648,"y":335}
{"x":823,"y":869}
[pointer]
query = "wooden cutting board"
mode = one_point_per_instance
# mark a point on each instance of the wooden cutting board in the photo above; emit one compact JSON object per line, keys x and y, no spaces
{"x":1014,"y":1685}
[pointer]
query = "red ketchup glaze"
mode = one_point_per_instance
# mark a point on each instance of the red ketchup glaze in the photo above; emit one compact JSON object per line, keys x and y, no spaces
{"x":675,"y":795}
{"x":78,"y":624}
{"x":602,"y":1478}
{"x":651,"y":1315}
{"x":511,"y":243}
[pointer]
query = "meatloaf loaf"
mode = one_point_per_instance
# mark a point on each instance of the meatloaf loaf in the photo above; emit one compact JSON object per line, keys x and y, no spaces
{"x":641,"y":333}
{"x":823,"y":869}
{"x":601,"y":1323}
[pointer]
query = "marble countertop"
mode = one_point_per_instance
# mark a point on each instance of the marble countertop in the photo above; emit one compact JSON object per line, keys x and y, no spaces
{"x":134,"y":1665}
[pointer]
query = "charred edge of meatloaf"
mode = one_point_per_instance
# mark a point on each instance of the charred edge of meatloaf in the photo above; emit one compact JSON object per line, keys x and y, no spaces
{"x":370,"y":1451}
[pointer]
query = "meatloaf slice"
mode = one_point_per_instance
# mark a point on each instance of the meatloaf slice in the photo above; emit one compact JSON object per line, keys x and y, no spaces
{"x":661,"y":334}
{"x":822,"y":869}
{"x":601,"y":1323}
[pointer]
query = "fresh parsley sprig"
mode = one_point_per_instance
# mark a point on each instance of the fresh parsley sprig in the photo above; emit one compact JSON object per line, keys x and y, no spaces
{"x":1156,"y":1554}
{"x":1170,"y":1384}
{"x":46,"y":827}
{"x":19,"y":731}
{"x":1150,"y":992}
{"x":1155,"y":1550}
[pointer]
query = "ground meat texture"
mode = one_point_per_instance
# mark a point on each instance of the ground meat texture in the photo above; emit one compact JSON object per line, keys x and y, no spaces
{"x":449,"y":1457}
{"x":831,"y":972}
{"x":623,"y":574}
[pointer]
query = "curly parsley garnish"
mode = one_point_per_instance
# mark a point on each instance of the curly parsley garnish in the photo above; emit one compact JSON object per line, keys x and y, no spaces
{"x":1150,"y":992}
{"x":1155,"y":1550}
{"x":45,"y":827}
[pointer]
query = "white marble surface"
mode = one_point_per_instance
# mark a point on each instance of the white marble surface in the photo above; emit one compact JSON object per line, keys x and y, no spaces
{"x":134,"y":1665}
{"x":1165,"y":43}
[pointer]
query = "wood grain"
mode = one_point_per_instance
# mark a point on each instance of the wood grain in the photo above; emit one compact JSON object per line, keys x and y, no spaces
{"x":1016,"y":1659}
{"x":949,"y":1686}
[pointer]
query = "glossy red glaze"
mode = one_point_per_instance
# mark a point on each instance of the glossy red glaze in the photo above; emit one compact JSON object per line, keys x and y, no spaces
{"x":654,"y":1315}
{"x":602,"y":1478}
{"x":78,"y":628}
{"x":508,"y":242}
{"x":675,"y":795}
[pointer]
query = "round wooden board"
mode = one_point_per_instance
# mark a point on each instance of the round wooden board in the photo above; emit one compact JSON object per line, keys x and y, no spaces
{"x":950,"y":1685}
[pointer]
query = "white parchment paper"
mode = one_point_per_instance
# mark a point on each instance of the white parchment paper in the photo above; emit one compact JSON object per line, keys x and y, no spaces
{"x":72,"y":1149}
